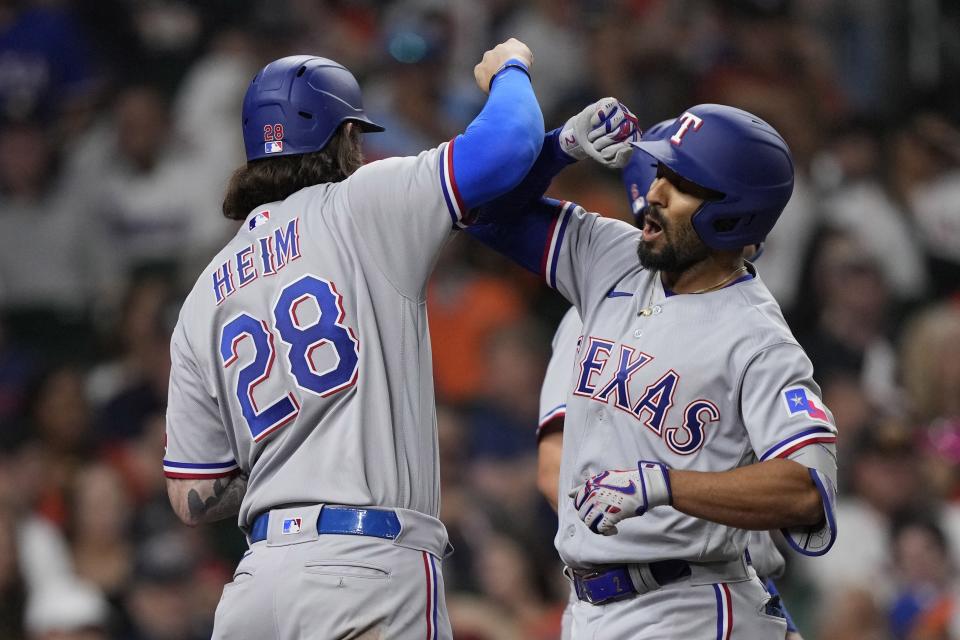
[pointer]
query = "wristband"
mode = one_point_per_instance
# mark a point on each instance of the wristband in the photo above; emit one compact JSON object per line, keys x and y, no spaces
{"x":512,"y":62}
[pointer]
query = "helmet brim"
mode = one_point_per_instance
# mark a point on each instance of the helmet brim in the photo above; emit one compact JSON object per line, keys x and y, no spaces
{"x":367,"y":125}
{"x":666,"y":152}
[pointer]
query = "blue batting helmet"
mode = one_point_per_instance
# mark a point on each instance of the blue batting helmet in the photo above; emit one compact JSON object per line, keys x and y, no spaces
{"x":295,"y":104}
{"x":640,"y":172}
{"x":736,"y":154}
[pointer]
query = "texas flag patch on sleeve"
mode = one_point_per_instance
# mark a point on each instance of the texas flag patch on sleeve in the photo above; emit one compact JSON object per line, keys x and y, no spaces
{"x":798,"y":403}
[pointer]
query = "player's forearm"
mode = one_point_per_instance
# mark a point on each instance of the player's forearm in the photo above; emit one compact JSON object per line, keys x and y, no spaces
{"x":501,"y":144}
{"x":549,"y":453}
{"x":767,"y":495}
{"x":200,"y":501}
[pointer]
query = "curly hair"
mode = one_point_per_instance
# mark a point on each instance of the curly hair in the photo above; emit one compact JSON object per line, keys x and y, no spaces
{"x":273,"y":179}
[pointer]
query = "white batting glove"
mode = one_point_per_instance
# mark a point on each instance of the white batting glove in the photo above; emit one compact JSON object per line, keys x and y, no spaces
{"x":603,"y":131}
{"x":612,"y":496}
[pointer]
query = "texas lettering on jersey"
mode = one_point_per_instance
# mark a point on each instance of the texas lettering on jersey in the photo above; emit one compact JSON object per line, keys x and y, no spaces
{"x":652,"y":405}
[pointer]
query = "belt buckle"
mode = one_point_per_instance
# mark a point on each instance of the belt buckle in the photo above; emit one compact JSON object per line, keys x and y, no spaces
{"x":588,"y":592}
{"x":583,"y":589}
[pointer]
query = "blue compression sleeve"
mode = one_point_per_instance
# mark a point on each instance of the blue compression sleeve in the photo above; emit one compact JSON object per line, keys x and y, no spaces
{"x":551,"y":161}
{"x":498,"y":148}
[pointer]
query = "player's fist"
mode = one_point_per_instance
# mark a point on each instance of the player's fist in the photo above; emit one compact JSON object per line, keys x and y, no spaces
{"x":494,"y":59}
{"x":609,"y":497}
{"x":603,"y":131}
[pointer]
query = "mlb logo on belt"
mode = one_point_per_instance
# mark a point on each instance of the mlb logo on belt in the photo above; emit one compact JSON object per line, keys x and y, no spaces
{"x":798,"y":403}
{"x":273,"y":147}
{"x":292,"y":525}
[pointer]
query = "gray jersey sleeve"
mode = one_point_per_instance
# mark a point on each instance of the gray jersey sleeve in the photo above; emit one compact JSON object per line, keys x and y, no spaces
{"x":197,"y":444}
{"x":403,"y":210}
{"x":558,"y":380}
{"x":586,"y":253}
{"x":786,"y":418}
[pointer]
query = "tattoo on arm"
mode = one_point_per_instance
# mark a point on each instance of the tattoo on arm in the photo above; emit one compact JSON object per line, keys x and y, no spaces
{"x":208,"y":502}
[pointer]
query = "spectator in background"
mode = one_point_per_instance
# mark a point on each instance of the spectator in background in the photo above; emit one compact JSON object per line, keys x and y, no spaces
{"x":515,"y":585}
{"x":465,"y":307}
{"x":60,"y":418}
{"x":99,"y":530}
{"x":159,"y":598}
{"x":550,"y":27}
{"x":50,"y":260}
{"x":502,"y":419}
{"x":884,"y":481}
{"x":132,"y":386}
{"x":16,"y":369}
{"x":930,"y":356}
{"x":409,"y":97}
{"x":926,"y":599}
{"x":786,"y":248}
{"x":38,"y":553}
{"x":926,"y":177}
{"x":13,"y":590}
{"x":150,"y":188}
{"x":861,"y":201}
{"x":848,"y":344}
{"x":855,"y":616}
{"x":45,"y":61}
{"x":71,"y":610}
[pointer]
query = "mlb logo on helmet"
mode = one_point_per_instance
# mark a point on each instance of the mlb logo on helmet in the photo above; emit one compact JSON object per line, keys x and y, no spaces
{"x":292,"y":525}
{"x":273,"y":147}
{"x":799,"y":403}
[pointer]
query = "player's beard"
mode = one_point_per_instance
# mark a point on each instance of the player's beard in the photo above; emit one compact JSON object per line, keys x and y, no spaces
{"x":682,"y":247}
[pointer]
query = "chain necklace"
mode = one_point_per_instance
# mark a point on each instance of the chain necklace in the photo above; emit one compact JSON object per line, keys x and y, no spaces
{"x":733,"y":274}
{"x":648,"y":310}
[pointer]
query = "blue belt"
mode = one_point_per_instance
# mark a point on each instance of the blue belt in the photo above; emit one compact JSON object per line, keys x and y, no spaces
{"x":349,"y":521}
{"x":614,"y":583}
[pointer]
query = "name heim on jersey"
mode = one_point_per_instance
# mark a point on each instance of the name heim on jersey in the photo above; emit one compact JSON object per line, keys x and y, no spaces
{"x":265,"y":256}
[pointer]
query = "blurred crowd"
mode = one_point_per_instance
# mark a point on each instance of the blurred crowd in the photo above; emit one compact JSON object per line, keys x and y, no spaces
{"x":119,"y":125}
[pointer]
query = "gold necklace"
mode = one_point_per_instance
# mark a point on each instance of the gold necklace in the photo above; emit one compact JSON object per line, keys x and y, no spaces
{"x":733,"y":274}
{"x":651,"y":310}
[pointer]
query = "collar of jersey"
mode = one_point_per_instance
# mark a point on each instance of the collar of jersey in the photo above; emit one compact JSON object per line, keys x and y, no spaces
{"x":749,"y":275}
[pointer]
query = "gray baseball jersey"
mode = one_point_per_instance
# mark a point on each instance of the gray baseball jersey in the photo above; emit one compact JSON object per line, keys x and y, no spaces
{"x":302,"y":357}
{"x":707,"y":382}
{"x":558,"y":383}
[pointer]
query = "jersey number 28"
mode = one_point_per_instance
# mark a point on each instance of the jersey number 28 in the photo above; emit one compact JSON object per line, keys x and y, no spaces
{"x":304,"y":339}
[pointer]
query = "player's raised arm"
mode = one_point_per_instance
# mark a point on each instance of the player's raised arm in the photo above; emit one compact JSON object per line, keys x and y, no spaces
{"x":551,"y":238}
{"x":403,"y":210}
{"x":498,"y":148}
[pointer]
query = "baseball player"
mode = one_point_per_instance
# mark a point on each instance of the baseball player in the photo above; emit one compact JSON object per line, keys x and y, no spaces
{"x":301,"y":394}
{"x":693,"y":416}
{"x":638,"y":175}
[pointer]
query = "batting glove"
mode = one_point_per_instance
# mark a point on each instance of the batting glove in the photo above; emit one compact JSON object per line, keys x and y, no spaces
{"x":603,"y":131}
{"x":612,"y":496}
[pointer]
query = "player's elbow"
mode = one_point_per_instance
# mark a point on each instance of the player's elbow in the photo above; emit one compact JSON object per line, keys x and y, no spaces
{"x":548,"y":483}
{"x":549,"y":453}
{"x":522,"y":144}
{"x":806,"y":509}
{"x":177,"y":492}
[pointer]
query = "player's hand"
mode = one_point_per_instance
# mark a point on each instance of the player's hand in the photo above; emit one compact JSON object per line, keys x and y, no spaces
{"x":609,"y":497}
{"x":603,"y":131}
{"x":793,"y":635}
{"x":494,"y":59}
